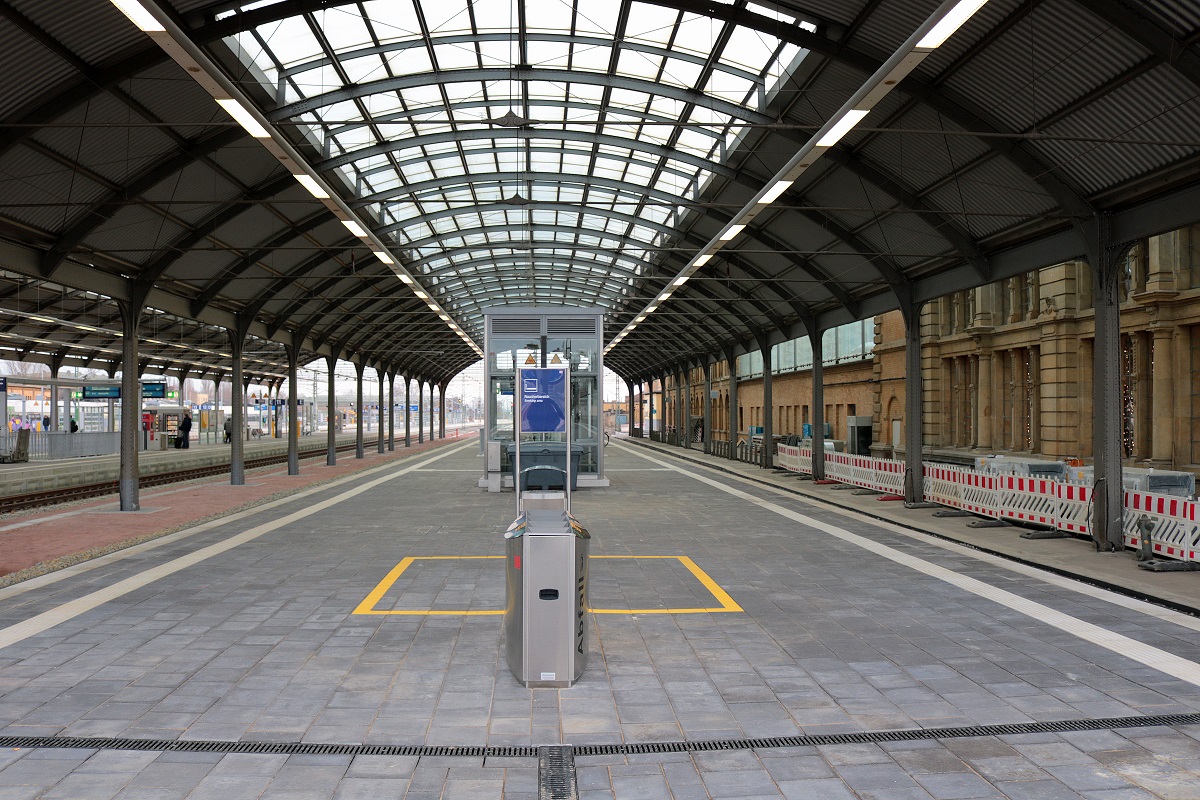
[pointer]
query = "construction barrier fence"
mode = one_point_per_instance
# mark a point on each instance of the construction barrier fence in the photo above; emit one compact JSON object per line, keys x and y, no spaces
{"x":1061,"y":505}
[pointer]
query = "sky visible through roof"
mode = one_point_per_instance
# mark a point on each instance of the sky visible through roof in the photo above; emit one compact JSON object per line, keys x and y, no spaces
{"x":573,"y":206}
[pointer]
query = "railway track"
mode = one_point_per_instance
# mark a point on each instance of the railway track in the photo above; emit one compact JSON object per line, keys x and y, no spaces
{"x":18,"y":502}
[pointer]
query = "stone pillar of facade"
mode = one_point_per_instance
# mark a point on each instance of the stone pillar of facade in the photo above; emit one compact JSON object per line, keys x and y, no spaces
{"x":1181,"y":348}
{"x":983,"y":421}
{"x":1162,"y":453}
{"x":1143,"y":396}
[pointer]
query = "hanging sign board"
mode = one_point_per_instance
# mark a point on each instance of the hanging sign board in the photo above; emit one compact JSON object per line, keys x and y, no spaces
{"x":154,"y":390}
{"x":102,"y":393}
{"x":543,"y":400}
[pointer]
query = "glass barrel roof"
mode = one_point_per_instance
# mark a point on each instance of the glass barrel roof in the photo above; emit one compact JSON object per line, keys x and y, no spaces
{"x":519,"y":151}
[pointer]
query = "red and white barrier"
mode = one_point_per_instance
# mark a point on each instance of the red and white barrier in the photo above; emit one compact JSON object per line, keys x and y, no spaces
{"x":1056,"y":504}
{"x":1075,"y":508}
{"x":1027,"y":499}
{"x":1175,"y":533}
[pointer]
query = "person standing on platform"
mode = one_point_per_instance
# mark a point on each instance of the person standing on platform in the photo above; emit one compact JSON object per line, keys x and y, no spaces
{"x":45,"y":423}
{"x":228,"y":430}
{"x":74,"y":426}
{"x":185,"y":429}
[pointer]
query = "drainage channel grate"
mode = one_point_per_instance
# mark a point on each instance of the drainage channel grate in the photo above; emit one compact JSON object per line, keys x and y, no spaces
{"x":559,"y":760}
{"x":556,"y":773}
{"x":273,"y":748}
{"x":906,"y":735}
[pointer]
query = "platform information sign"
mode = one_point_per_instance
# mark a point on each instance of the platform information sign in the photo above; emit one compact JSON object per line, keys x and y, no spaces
{"x":543,"y":401}
{"x":101,"y":392}
{"x":158,"y":390}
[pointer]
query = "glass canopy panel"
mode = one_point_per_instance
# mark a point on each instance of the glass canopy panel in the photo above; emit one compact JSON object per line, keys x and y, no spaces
{"x":588,"y":196}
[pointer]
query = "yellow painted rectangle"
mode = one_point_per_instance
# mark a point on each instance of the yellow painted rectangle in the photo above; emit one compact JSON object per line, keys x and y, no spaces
{"x":727,"y":604}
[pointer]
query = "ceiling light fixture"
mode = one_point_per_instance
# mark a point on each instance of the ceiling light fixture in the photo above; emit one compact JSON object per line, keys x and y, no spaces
{"x":355,"y":228}
{"x":139,"y":16}
{"x":948,"y":24}
{"x":773,"y":193}
{"x":732,"y":232}
{"x":842,"y":126}
{"x":243,"y":117}
{"x":314,"y":188}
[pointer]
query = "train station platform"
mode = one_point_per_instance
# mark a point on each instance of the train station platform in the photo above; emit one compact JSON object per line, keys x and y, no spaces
{"x":344,"y":641}
{"x":44,"y":475}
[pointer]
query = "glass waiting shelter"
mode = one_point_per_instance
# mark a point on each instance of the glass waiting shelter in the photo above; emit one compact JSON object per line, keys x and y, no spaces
{"x":545,"y":336}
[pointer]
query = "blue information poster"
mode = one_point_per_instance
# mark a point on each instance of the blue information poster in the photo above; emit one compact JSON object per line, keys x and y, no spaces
{"x":543,"y":401}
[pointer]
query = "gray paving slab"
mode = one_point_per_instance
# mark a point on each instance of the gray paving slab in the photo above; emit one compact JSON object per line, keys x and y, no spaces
{"x":262,"y":643}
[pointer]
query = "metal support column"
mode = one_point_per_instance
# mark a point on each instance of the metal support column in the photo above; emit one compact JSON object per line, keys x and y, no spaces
{"x":648,"y":433}
{"x":914,"y":421}
{"x":131,"y":397}
{"x":686,"y":441}
{"x":391,"y":376}
{"x":707,"y":406}
{"x":442,"y":409}
{"x":333,"y":416}
{"x":629,"y":403}
{"x":237,"y":404}
{"x":768,"y":406}
{"x":381,"y":443}
{"x":407,"y":411}
{"x":1106,"y":261}
{"x":293,"y":409}
{"x":420,"y":411}
{"x":816,"y":339}
{"x":359,"y":366}
{"x":731,"y":364}
{"x":677,"y":416}
{"x":55,"y":390}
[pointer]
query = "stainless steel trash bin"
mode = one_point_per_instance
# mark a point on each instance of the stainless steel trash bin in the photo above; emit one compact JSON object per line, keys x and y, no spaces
{"x":546,"y":608}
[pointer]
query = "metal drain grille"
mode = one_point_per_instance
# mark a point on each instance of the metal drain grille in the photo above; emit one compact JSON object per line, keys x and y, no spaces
{"x":907,"y":735}
{"x":559,"y":760}
{"x":274,"y":748}
{"x":556,"y":773}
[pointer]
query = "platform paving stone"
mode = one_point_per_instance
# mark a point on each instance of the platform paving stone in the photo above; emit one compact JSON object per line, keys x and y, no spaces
{"x":261,"y":643}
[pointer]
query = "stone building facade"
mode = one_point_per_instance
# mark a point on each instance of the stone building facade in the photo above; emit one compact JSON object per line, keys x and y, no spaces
{"x":1007,"y":368}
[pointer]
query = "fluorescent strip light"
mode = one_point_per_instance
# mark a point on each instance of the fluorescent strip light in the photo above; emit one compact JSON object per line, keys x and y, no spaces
{"x":732,"y":232}
{"x":702,"y":260}
{"x":948,"y":24}
{"x":680,"y":281}
{"x":651,"y":309}
{"x":139,"y":16}
{"x":773,"y":193}
{"x":422,"y":295}
{"x":384,"y":257}
{"x":243,"y":117}
{"x":355,"y":228}
{"x":639,"y":319}
{"x":405,"y":279}
{"x":842,"y":127}
{"x":314,"y":188}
